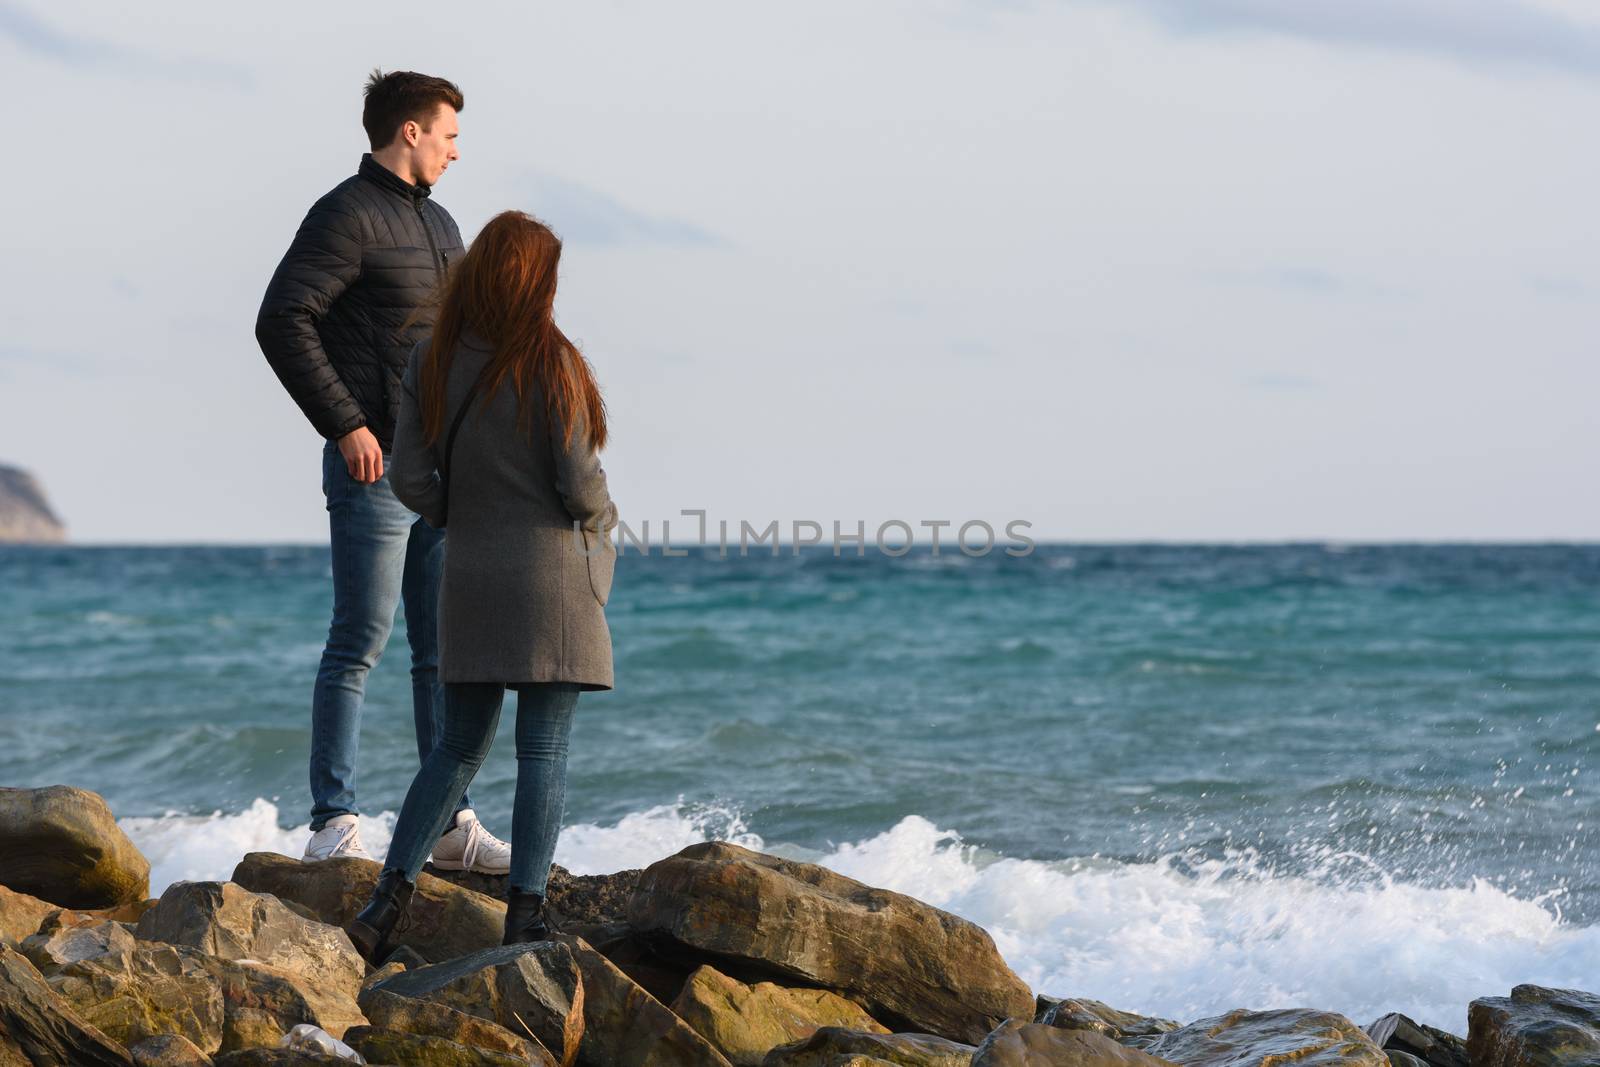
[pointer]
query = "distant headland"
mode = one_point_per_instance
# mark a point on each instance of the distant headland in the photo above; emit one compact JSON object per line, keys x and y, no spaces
{"x":25,"y":515}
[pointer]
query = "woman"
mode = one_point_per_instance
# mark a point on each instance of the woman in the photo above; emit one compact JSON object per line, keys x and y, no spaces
{"x":499,"y":429}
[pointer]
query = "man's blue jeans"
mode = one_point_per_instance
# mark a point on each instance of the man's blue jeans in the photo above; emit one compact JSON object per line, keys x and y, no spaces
{"x":383,"y":554}
{"x":544,"y":724}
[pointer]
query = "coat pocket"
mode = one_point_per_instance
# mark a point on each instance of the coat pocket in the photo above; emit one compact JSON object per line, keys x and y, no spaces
{"x":601,"y":556}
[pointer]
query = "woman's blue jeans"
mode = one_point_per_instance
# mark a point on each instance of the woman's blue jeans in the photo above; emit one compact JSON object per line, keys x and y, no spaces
{"x":471,"y":714}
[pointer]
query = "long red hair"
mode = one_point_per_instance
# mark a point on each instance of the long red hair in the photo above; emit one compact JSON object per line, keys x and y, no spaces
{"x":504,"y":290}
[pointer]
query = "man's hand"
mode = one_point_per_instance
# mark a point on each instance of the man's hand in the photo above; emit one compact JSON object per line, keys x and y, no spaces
{"x":362,"y":455}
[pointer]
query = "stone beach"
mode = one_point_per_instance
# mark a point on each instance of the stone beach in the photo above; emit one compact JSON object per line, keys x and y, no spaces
{"x":717,"y":955}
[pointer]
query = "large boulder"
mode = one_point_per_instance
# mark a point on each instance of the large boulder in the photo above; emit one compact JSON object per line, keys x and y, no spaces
{"x":445,"y":921}
{"x":572,"y":899}
{"x":1265,"y":1038}
{"x":397,"y":1046}
{"x":1020,"y":1043}
{"x":168,"y":1050}
{"x":230,"y":922}
{"x":912,"y":965}
{"x":62,"y":845}
{"x":129,"y":990}
{"x":390,"y":1011}
{"x":21,"y":915}
{"x":1081,"y":1013}
{"x":745,"y":1022}
{"x":38,"y":1027}
{"x":833,"y":1045}
{"x":533,"y":989}
{"x":624,"y":1026}
{"x":1535,"y":1027}
{"x":1397,"y":1034}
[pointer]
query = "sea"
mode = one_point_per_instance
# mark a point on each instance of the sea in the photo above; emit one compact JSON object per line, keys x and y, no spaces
{"x":1180,"y":779}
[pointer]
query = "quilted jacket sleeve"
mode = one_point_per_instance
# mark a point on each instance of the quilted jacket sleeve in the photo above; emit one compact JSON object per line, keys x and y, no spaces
{"x":322,"y":262}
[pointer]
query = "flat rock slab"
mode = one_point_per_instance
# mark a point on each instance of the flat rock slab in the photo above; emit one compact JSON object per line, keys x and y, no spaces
{"x":390,"y":1011}
{"x":1535,"y":1027}
{"x":1080,"y":1013}
{"x":278,"y":1057}
{"x":745,"y":1022}
{"x":1396,"y":1033}
{"x":533,"y":988}
{"x":911,"y":964}
{"x":624,"y":1026}
{"x":230,"y":922}
{"x":62,"y":845}
{"x":446,"y":921}
{"x":36,"y":1026}
{"x":833,"y":1045}
{"x":168,"y":1050}
{"x":397,"y":1047}
{"x":21,"y":915}
{"x":1020,"y":1043}
{"x":1266,"y":1038}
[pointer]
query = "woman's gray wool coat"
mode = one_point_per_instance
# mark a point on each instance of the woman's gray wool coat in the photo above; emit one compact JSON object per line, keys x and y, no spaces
{"x":520,"y":601}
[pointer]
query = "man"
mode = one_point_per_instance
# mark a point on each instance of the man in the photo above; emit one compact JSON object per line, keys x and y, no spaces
{"x":352,"y":296}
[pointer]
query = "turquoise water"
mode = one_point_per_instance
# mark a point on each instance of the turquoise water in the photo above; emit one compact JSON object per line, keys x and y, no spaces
{"x":1355,"y":722}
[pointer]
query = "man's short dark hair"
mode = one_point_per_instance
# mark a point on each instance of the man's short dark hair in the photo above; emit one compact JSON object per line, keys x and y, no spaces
{"x":403,"y":96}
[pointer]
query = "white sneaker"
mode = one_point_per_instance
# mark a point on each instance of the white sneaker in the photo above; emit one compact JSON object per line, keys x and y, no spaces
{"x":467,"y":846}
{"x":338,"y":838}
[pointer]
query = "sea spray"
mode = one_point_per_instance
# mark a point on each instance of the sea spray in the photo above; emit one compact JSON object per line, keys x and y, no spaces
{"x":1180,"y":937}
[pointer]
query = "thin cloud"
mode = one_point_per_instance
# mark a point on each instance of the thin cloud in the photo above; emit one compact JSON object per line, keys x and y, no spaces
{"x":588,"y":216}
{"x":1474,"y":31}
{"x":34,"y":35}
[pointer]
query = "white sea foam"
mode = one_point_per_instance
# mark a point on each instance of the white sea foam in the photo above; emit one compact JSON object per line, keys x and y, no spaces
{"x":1182,"y":943}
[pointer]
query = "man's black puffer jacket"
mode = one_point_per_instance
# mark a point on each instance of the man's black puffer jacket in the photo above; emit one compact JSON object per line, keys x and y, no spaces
{"x":354,"y":293}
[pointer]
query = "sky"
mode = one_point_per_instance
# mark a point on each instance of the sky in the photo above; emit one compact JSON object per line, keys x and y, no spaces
{"x":1173,"y":270}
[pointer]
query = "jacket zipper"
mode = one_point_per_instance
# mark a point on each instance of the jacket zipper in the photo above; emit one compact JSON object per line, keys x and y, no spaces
{"x":432,"y":245}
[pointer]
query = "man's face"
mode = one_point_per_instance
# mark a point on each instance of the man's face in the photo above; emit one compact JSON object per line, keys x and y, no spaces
{"x":436,"y":146}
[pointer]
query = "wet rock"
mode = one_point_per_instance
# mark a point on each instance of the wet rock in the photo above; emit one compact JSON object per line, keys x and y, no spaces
{"x":624,"y":1026}
{"x":390,"y":1011}
{"x":910,"y":964}
{"x":62,"y":845}
{"x":21,"y":915}
{"x":446,"y":920}
{"x":168,"y":1050}
{"x":532,"y":988}
{"x":395,"y":1046}
{"x":745,"y":1022}
{"x":232,"y":923}
{"x":1075,"y":1013}
{"x":1020,"y":1043}
{"x":278,"y":1057}
{"x":39,"y":1027}
{"x":1403,"y":1059}
{"x":1395,"y":1033}
{"x":832,"y":1045}
{"x":1535,"y":1027}
{"x":1265,"y":1038}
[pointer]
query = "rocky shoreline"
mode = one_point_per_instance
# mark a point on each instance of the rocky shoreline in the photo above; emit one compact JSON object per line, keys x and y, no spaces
{"x":714,"y":956}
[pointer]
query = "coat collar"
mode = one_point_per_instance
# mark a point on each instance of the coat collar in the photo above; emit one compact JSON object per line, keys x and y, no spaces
{"x":374,"y":171}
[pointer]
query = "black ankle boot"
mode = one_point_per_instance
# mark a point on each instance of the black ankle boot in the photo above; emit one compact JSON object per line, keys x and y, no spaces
{"x":372,"y":930}
{"x":525,"y":919}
